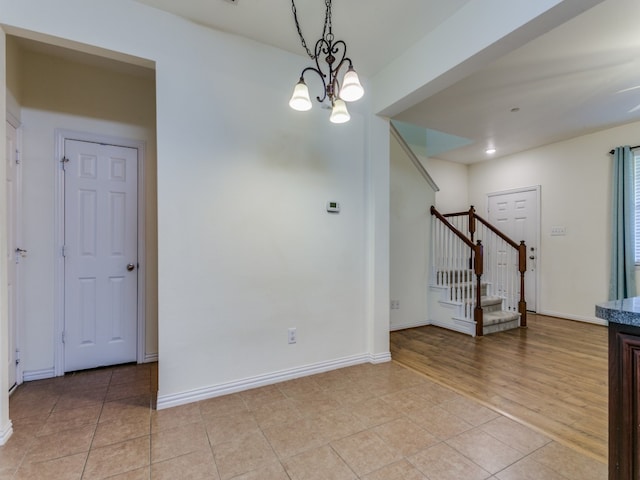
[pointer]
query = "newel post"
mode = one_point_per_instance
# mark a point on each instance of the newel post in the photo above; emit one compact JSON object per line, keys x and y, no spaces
{"x":479,"y":269}
{"x":472,"y":222}
{"x":522,"y":266}
{"x":472,"y":232}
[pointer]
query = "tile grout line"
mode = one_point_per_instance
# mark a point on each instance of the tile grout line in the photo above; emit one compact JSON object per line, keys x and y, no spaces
{"x":213,"y":454}
{"x":86,"y":460}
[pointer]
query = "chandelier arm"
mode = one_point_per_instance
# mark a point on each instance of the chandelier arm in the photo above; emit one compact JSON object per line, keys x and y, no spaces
{"x":322,"y":46}
{"x":335,"y":48}
{"x":322,"y":78}
{"x":339,"y":48}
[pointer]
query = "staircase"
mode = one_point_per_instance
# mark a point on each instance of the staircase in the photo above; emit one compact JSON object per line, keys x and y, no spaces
{"x":475,"y":288}
{"x":496,"y":319}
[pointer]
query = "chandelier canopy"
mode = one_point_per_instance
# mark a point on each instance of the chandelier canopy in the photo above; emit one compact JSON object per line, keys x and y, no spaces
{"x":334,"y":54}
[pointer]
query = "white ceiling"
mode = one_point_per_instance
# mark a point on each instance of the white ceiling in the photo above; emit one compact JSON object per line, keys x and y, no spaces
{"x":376,"y":31}
{"x":576,"y":79}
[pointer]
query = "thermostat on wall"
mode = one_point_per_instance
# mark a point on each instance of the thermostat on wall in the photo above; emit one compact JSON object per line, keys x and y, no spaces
{"x":333,"y":207}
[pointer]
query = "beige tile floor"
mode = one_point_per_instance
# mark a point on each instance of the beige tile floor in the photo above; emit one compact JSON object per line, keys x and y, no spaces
{"x":372,"y":422}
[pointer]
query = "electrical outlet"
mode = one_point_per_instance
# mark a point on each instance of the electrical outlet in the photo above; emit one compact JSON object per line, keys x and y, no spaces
{"x":292,"y":335}
{"x":395,"y":304}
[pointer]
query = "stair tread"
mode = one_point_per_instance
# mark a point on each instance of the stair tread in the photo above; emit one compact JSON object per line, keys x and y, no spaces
{"x":492,"y":318}
{"x":490,"y":300}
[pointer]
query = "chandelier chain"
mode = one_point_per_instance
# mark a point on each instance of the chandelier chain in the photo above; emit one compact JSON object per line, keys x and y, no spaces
{"x":327,"y":26}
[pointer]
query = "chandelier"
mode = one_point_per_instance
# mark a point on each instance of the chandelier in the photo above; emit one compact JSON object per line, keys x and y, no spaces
{"x":334,"y":54}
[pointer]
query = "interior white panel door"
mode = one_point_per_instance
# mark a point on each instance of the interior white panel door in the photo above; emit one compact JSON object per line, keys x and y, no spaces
{"x":12,"y":253}
{"x":516,"y":214}
{"x":100,"y":255}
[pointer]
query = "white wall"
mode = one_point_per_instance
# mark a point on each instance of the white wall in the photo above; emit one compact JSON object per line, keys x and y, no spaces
{"x":410,"y":220}
{"x":453,"y":180}
{"x":5,"y":424}
{"x":246,"y":248}
{"x":14,"y":73}
{"x":59,"y":94}
{"x":575,"y":177}
{"x":261,"y":254}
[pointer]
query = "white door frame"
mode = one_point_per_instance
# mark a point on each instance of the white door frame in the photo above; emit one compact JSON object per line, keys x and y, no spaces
{"x":534,"y":188}
{"x":61,"y":136}
{"x":15,"y":123}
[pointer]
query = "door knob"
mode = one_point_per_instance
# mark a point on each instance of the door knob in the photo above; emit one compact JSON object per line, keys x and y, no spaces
{"x":130,"y":267}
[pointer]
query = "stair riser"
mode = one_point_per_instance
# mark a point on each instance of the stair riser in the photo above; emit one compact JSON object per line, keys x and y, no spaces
{"x":458,"y":315}
{"x":501,"y":327}
{"x":492,"y":308}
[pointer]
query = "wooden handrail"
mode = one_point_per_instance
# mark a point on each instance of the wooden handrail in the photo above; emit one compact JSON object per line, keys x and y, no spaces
{"x":457,"y":214}
{"x":498,"y":232}
{"x":473,"y":216}
{"x":458,"y":233}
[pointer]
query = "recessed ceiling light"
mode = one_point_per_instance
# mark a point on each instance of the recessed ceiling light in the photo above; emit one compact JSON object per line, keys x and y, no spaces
{"x":490,"y":151}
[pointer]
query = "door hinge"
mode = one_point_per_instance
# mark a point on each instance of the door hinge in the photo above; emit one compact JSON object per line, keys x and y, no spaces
{"x":64,"y":250}
{"x":17,"y":356}
{"x":64,"y":336}
{"x":17,"y":157}
{"x":64,"y":162}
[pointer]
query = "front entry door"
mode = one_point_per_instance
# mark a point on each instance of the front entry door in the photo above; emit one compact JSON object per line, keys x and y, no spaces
{"x":100,"y":255}
{"x":516,"y":214}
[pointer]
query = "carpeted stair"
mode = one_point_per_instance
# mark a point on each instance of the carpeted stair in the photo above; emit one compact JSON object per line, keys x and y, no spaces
{"x":455,"y":305}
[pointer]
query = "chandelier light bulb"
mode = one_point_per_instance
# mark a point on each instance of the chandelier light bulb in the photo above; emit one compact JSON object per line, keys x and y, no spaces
{"x":351,"y":88}
{"x":339,"y":113}
{"x":300,"y":99}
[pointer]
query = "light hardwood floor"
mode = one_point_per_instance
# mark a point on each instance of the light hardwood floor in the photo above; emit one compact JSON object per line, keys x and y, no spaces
{"x":551,"y":375}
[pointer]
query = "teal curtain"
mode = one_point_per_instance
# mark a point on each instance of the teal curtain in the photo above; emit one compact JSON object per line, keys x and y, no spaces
{"x":623,"y":275}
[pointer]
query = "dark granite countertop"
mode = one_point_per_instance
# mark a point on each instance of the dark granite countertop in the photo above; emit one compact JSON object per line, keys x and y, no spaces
{"x":626,"y":311}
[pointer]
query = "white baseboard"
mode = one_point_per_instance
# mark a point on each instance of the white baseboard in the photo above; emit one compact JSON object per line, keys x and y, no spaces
{"x":29,"y":376}
{"x":404,"y":326}
{"x":463,"y":326}
{"x":577,"y":318}
{"x":175,"y":399}
{"x":5,"y":433}
{"x":379,"y":358}
{"x":150,"y":357}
